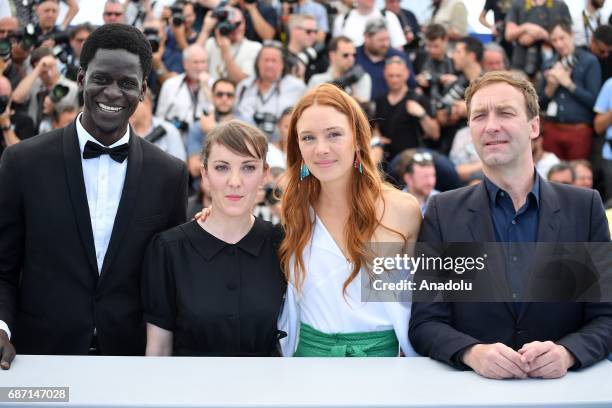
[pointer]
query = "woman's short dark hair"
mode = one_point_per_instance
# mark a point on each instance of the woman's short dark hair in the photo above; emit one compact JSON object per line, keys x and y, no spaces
{"x":118,"y":37}
{"x":240,"y":137}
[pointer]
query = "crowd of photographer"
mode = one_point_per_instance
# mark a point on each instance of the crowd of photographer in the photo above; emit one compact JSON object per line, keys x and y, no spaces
{"x":253,"y":59}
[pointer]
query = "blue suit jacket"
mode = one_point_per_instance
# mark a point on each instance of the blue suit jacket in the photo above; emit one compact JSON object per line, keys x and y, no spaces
{"x":567,"y":214}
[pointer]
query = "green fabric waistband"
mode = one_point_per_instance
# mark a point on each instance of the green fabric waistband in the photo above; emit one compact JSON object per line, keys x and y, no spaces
{"x":313,"y":343}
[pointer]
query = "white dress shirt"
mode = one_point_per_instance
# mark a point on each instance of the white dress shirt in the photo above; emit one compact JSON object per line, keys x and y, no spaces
{"x":104,"y":179}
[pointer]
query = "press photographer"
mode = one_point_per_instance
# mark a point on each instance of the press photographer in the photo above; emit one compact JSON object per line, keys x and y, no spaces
{"x":433,"y":66}
{"x":183,"y":97}
{"x":343,"y":71}
{"x":568,"y":91}
{"x":231,"y":54}
{"x":37,"y":85}
{"x":306,"y":56}
{"x":180,"y":34}
{"x":14,"y":126}
{"x":263,"y":97}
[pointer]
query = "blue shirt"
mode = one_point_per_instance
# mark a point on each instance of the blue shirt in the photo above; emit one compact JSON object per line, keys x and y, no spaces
{"x":577,"y":106}
{"x":603,"y":105}
{"x":377,"y":69}
{"x":515,"y":226}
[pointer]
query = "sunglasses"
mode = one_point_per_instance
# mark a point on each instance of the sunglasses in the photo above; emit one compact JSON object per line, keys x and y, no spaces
{"x":308,"y":31}
{"x":222,"y":94}
{"x":422,"y":157}
{"x":348,"y":54}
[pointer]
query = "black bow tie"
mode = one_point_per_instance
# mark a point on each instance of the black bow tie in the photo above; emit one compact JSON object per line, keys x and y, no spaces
{"x":118,"y":154}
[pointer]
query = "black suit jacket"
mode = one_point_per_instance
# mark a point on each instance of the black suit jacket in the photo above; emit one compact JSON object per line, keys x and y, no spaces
{"x":51,"y":294}
{"x":567,"y":214}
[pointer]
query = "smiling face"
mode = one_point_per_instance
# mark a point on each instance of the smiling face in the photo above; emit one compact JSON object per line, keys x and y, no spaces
{"x":500,"y":129}
{"x":327,"y":143}
{"x":562,"y":41}
{"x":113,"y":86}
{"x":233,"y":180}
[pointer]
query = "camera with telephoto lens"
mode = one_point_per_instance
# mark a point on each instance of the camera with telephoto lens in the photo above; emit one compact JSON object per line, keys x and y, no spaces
{"x":60,"y":37}
{"x":58,"y":92}
{"x":273,"y":194}
{"x":455,"y":93}
{"x":250,"y":1}
{"x":27,"y":37}
{"x":4,"y":101}
{"x":309,"y":55}
{"x":179,"y":124}
{"x":152,"y":35}
{"x":265,"y":121}
{"x":350,"y":77}
{"x":5,"y":48}
{"x":178,"y":18}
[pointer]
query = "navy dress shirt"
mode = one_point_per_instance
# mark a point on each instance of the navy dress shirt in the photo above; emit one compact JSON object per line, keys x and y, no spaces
{"x":515,"y":226}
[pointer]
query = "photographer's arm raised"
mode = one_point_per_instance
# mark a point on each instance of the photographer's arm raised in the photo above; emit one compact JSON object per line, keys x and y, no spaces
{"x":22,"y":91}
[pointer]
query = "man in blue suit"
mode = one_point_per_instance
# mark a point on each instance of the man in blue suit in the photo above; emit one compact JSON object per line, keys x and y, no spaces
{"x":513,"y":204}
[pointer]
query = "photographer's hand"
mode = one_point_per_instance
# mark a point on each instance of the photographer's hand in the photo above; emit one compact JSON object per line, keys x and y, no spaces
{"x":207,"y":28}
{"x":207,"y":121}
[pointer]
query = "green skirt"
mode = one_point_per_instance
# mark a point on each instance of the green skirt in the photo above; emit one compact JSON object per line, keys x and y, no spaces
{"x":313,"y":343}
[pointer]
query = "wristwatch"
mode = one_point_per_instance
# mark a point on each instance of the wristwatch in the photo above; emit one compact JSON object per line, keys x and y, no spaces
{"x":7,"y":128}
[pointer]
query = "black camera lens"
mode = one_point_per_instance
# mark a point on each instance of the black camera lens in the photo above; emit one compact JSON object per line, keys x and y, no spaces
{"x":58,"y":92}
{"x":4,"y":101}
{"x":152,"y":35}
{"x":5,"y":48}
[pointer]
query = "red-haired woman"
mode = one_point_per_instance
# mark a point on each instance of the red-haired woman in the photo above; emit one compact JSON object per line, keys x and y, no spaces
{"x":335,"y":204}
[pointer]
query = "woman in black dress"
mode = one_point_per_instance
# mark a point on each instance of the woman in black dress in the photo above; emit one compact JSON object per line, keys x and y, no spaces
{"x":215,"y":287}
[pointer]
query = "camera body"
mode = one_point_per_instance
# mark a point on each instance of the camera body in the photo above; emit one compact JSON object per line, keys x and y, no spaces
{"x":224,"y":24}
{"x":178,"y":18}
{"x":265,"y":121}
{"x":152,"y":35}
{"x":179,"y":124}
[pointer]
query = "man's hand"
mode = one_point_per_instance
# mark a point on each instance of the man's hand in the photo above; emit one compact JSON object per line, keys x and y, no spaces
{"x":252,"y":7}
{"x":496,"y":361}
{"x":447,"y":79}
{"x":46,"y":63}
{"x":422,"y":81}
{"x":223,"y":42}
{"x":207,"y":122}
{"x":209,"y":22}
{"x":7,"y":351}
{"x":546,"y":359}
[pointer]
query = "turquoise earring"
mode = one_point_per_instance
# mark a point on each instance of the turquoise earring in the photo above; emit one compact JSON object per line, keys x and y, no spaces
{"x":304,"y":172}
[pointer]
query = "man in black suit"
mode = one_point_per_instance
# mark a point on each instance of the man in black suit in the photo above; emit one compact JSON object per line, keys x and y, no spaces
{"x":78,"y":207}
{"x":512,"y":204}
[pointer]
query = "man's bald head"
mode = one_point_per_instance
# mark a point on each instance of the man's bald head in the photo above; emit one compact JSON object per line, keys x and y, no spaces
{"x":8,"y":26}
{"x":5,"y":86}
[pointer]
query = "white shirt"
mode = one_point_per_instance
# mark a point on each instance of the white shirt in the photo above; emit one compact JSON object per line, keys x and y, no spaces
{"x":279,"y":97}
{"x":104,"y":179}
{"x":583,"y":26}
{"x":175,"y":101}
{"x":354,"y":27}
{"x":321,"y":304}
{"x":243,"y":53}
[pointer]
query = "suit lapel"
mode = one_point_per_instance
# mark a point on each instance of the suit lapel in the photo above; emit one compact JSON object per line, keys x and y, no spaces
{"x":127,"y":202}
{"x":482,"y":229}
{"x":78,"y":195}
{"x":548,"y":223}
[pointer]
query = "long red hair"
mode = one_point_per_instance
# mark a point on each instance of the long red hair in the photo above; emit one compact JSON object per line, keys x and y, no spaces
{"x":365,"y":189}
